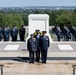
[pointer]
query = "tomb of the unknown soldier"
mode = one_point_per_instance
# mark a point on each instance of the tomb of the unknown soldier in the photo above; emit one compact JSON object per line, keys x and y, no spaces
{"x":40,"y":22}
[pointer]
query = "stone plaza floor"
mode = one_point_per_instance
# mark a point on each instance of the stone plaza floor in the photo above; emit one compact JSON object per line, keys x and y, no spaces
{"x":61,"y":57}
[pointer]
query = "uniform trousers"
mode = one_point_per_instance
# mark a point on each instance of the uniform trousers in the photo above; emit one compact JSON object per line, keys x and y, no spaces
{"x":6,"y":38}
{"x":44,"y":56}
{"x":31,"y":56}
{"x":38,"y":55}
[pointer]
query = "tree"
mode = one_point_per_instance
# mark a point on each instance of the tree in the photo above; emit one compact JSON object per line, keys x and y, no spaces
{"x":11,"y":20}
{"x":73,"y":19}
{"x":25,"y":18}
{"x":1,"y":18}
{"x":64,"y":19}
{"x":75,"y":11}
{"x":52,"y":19}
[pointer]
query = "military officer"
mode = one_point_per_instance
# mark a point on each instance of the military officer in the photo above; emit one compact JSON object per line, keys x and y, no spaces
{"x":32,"y":47}
{"x":37,"y":36}
{"x":44,"y":44}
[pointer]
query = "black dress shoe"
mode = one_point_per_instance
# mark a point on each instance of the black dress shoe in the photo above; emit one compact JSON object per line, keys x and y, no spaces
{"x":44,"y":62}
{"x":37,"y":61}
{"x":32,"y":62}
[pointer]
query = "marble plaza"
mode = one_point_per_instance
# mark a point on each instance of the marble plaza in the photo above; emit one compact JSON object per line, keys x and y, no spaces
{"x":59,"y":62}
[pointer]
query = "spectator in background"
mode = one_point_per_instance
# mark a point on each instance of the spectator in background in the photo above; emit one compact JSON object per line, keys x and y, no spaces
{"x":16,"y":29}
{"x":14,"y":33}
{"x":58,"y":32}
{"x":9,"y":31}
{"x":66,"y":33}
{"x":1,"y":33}
{"x":22,"y":33}
{"x":73,"y":32}
{"x":6,"y":33}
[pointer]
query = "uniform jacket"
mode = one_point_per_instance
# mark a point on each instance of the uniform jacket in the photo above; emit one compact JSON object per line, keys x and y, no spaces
{"x":31,"y":44}
{"x":9,"y":30}
{"x":22,"y":31}
{"x":6,"y":32}
{"x":66,"y":32}
{"x":73,"y":31}
{"x":14,"y":32}
{"x":44,"y":42}
{"x":37,"y":39}
{"x":58,"y":32}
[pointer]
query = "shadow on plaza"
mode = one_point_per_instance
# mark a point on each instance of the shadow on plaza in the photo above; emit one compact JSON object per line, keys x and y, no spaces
{"x":25,"y":59}
{"x":20,"y":59}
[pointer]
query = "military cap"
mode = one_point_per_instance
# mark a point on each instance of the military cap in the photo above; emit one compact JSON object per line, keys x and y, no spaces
{"x":44,"y":32}
{"x":37,"y":30}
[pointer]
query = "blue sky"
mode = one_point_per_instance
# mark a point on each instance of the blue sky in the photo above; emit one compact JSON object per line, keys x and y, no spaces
{"x":19,"y":3}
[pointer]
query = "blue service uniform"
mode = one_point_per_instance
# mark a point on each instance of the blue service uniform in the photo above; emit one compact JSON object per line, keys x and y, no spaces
{"x":58,"y":34}
{"x":38,"y":48}
{"x":44,"y":44}
{"x":66,"y":33}
{"x":31,"y":46}
{"x":6,"y":34}
{"x":9,"y":30}
{"x":73,"y":32}
{"x":14,"y":34}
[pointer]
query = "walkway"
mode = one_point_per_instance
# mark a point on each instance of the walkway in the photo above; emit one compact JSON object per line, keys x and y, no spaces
{"x":61,"y":57}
